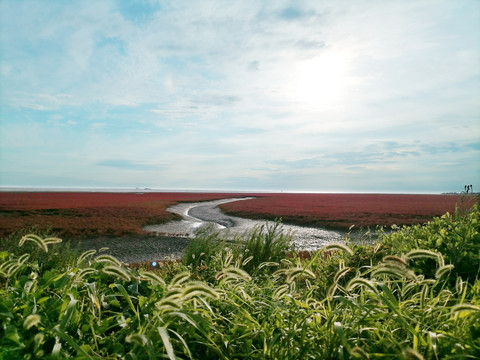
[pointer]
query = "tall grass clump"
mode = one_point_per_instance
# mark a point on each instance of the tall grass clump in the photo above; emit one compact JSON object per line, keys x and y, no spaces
{"x":401,"y":298}
{"x":456,"y":237}
{"x":264,"y":244}
{"x":202,"y":249}
{"x":267,"y":243}
{"x":27,"y":241}
{"x":95,"y":307}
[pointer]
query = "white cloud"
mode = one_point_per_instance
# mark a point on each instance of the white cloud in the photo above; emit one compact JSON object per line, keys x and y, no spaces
{"x":226,"y":88}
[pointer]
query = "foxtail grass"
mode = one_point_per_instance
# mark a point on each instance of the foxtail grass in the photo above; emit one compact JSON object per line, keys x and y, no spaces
{"x":389,"y":300}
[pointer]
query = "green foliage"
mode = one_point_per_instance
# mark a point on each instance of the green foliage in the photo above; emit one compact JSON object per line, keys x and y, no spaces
{"x":457,"y":238}
{"x":29,"y":241}
{"x":400,"y":298}
{"x":203,"y":247}
{"x":208,"y":252}
{"x":266,"y":244}
{"x":203,"y":252}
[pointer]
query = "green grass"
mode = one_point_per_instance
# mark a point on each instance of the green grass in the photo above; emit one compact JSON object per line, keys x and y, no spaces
{"x":415,"y":294}
{"x":265,"y":245}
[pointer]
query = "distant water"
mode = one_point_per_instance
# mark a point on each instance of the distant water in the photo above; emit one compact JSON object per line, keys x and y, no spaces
{"x":85,"y":189}
{"x":169,"y":190}
{"x":123,"y":190}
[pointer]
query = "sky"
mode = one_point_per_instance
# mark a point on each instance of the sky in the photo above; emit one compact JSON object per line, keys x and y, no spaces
{"x":306,"y":96}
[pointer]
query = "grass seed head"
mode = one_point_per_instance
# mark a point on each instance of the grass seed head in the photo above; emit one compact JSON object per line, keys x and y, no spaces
{"x":38,"y":339}
{"x":198,"y":290}
{"x":424,"y":295}
{"x":281,"y":291}
{"x":247,"y":260}
{"x":426,"y":254}
{"x":22,"y":259}
{"x":179,"y":279}
{"x":170,"y":302}
{"x":13,"y":268}
{"x":154,"y":278}
{"x":465,"y":309}
{"x":31,"y":320}
{"x":36,"y":240}
{"x":393,"y":271}
{"x":84,"y":255}
{"x":108,"y":259}
{"x":232,"y":274}
{"x":52,"y":240}
{"x":338,"y":246}
{"x":395,"y":259}
{"x":362,"y":282}
{"x":117,"y":271}
{"x":341,"y":273}
{"x":269,"y":264}
{"x":296,"y":272}
{"x":459,"y":285}
{"x":443,"y":270}
{"x":85,"y":272}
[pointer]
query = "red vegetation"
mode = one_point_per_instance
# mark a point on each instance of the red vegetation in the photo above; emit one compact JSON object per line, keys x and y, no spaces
{"x":75,"y":214}
{"x":84,"y":213}
{"x":340,"y":211}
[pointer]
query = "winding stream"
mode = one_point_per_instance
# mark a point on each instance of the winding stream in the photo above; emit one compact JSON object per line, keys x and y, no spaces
{"x":201,"y":214}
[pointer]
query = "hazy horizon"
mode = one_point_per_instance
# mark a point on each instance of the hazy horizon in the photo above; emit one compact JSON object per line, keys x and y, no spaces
{"x":192,"y":190}
{"x":293,"y":96}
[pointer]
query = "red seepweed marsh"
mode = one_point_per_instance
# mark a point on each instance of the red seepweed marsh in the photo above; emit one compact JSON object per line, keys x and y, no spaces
{"x":116,"y":214}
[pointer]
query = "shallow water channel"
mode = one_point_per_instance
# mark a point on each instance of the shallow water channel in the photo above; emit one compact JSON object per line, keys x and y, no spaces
{"x":201,"y":214}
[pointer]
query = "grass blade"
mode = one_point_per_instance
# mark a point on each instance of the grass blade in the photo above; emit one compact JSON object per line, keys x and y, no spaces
{"x":166,"y":342}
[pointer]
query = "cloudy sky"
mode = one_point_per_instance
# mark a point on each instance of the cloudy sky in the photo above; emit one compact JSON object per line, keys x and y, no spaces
{"x":329,"y":96}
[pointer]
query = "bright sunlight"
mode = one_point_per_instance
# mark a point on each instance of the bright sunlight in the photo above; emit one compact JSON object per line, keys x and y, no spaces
{"x":322,"y":82}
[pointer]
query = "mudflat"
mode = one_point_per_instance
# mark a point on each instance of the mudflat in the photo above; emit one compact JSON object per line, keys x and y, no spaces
{"x":136,"y":248}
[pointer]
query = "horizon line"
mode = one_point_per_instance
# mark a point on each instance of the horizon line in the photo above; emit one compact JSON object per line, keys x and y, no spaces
{"x":176,"y":190}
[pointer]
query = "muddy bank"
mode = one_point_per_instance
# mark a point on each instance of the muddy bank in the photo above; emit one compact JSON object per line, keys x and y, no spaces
{"x":138,"y":248}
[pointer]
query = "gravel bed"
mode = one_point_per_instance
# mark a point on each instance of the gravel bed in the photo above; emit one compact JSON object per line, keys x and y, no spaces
{"x":138,"y":248}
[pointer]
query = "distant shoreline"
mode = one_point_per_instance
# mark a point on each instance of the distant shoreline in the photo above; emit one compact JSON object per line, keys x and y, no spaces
{"x":7,"y":189}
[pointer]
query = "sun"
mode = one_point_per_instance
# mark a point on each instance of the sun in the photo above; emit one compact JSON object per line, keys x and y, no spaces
{"x":322,"y":82}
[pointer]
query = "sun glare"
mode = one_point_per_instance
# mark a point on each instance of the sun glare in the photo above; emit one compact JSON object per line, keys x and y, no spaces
{"x":322,"y":82}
